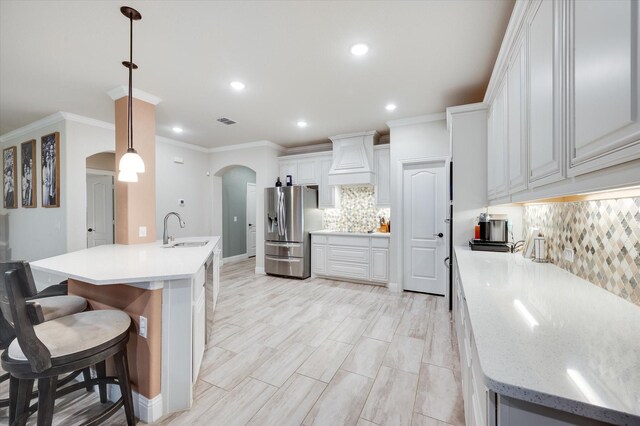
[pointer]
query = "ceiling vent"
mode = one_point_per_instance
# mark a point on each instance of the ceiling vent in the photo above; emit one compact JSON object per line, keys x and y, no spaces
{"x":227,"y":121}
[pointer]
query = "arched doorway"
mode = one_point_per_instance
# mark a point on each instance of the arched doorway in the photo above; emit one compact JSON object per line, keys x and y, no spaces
{"x":101,"y":169}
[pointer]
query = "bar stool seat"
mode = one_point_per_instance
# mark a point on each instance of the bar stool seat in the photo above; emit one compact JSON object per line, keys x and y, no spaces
{"x":76,"y":333}
{"x":59,"y":306}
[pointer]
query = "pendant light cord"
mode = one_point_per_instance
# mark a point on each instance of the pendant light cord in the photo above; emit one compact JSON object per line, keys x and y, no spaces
{"x":130,"y":117}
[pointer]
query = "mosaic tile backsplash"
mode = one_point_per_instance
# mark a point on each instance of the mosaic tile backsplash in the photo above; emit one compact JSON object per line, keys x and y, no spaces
{"x":605,"y":236}
{"x":357,"y":212}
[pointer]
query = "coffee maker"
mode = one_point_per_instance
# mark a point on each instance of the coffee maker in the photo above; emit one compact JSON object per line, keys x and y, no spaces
{"x":493,"y":233}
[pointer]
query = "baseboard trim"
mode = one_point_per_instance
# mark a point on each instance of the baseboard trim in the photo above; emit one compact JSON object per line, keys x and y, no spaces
{"x":147,"y":410}
{"x":260,"y":270}
{"x":394,"y":287}
{"x":234,"y":259}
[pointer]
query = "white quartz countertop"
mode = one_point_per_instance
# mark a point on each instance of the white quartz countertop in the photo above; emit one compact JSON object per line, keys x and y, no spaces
{"x":549,"y":337}
{"x":127,"y":264}
{"x":353,"y":234}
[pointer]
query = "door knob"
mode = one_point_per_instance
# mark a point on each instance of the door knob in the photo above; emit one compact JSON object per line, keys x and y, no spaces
{"x":250,"y":224}
{"x":90,"y":229}
{"x":439,"y":235}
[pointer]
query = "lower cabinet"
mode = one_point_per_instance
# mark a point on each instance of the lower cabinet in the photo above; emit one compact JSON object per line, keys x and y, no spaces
{"x":352,"y":257}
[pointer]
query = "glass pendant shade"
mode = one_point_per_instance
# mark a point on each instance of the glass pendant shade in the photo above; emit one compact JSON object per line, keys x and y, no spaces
{"x":127,"y":176}
{"x":131,"y":161}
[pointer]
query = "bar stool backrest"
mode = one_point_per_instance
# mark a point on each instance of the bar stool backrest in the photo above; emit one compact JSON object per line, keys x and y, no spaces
{"x":14,"y":306}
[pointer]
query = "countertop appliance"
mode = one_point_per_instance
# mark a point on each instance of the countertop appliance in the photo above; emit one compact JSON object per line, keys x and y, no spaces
{"x":291,"y":213}
{"x":494,"y":234}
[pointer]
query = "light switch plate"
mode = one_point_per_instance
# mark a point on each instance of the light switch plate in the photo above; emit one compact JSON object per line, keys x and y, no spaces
{"x":143,"y":327}
{"x":568,"y":254}
{"x":142,"y":231}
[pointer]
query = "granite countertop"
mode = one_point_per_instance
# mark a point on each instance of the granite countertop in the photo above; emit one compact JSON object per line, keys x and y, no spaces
{"x":127,"y":264}
{"x":354,"y":234}
{"x":549,"y":337}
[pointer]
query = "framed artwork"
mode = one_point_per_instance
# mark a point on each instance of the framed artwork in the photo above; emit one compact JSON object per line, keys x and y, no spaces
{"x":50,"y":161}
{"x":28,"y":171}
{"x":9,"y":181}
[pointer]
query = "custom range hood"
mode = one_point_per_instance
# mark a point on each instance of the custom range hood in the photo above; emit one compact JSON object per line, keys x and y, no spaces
{"x":353,"y":159}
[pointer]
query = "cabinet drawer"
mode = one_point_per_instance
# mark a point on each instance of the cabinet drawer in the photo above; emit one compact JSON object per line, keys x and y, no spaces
{"x":348,"y":270}
{"x":346,"y":240}
{"x":349,"y":254}
{"x":380,"y":242}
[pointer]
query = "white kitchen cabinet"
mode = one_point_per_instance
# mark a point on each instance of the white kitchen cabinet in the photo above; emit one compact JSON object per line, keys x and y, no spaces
{"x":497,"y":186}
{"x":289,"y":167}
{"x":328,"y":196}
{"x":308,"y":172}
{"x":382,"y":155}
{"x":604,"y":125}
{"x":545,"y":112}
{"x":516,"y":118}
{"x":199,"y":327}
{"x":358,"y":257}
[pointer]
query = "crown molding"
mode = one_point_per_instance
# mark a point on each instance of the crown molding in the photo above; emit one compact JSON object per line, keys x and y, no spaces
{"x":464,"y":109}
{"x":180,"y":144}
{"x":88,"y":121}
{"x":31,"y":127}
{"x":256,"y":144}
{"x":421,"y":119}
{"x":122,"y":91}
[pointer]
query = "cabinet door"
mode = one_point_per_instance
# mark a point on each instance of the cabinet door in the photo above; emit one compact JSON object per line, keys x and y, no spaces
{"x":308,"y":172}
{"x":383,"y":177}
{"x":497,"y":148}
{"x":516,"y":124}
{"x":326,"y":192}
{"x":288,"y":168}
{"x":545,"y":153}
{"x":199,"y":320}
{"x":319,"y":259}
{"x":379,"y":265}
{"x":604,"y":81}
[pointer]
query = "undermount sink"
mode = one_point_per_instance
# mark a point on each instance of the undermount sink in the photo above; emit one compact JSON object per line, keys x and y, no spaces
{"x":190,"y":244}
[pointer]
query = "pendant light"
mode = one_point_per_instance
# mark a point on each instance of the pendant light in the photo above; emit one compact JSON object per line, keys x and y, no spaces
{"x":131,"y":163}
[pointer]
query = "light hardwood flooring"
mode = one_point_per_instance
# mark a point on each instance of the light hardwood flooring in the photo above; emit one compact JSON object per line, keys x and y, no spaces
{"x":316,"y":352}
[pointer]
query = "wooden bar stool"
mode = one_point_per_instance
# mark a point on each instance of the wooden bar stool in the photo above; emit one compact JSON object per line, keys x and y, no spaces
{"x":51,"y":303}
{"x":60,"y":346}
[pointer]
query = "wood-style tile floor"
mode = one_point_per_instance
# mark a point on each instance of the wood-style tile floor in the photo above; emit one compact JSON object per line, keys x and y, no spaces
{"x":316,"y":352}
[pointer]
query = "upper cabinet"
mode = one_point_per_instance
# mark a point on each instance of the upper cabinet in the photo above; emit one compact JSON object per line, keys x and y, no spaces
{"x":516,"y":117}
{"x":328,"y":197}
{"x":604,"y":95}
{"x":545,"y":135}
{"x":564,"y":100}
{"x":311,"y":169}
{"x":383,"y":177}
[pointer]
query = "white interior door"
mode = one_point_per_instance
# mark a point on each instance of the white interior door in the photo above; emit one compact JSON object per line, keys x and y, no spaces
{"x":99,"y":210}
{"x":424,"y":242}
{"x":251,"y":219}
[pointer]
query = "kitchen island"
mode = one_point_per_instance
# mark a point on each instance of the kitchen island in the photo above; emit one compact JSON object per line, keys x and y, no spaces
{"x":169,"y":292}
{"x":539,"y":345}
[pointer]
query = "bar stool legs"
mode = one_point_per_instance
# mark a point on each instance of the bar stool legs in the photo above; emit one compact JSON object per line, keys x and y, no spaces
{"x":46,"y":398}
{"x":122,"y":371}
{"x":101,"y":373}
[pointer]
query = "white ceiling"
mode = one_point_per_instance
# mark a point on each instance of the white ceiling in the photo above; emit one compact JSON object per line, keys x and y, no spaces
{"x":293,"y":57}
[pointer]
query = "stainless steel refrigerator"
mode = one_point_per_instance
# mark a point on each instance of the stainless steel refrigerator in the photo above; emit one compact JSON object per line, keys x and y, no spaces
{"x":291,"y":213}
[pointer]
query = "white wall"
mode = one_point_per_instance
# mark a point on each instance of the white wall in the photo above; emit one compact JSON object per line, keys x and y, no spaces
{"x":188,"y":181}
{"x":36,"y":233}
{"x":261,"y":158}
{"x":414,"y":138}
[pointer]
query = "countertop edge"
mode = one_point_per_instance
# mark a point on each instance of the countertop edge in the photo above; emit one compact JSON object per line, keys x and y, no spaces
{"x":549,"y":400}
{"x":353,"y":234}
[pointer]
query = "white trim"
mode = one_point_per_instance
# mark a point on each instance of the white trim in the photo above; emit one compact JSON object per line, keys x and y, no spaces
{"x":100,"y":172}
{"x":307,"y":155}
{"x":416,"y":120}
{"x":36,"y":125}
{"x":147,"y":410}
{"x":247,"y":145}
{"x":181,"y":144}
{"x":394,"y":287}
{"x":260,"y":270}
{"x":351,"y":135}
{"x":318,"y":148}
{"x":88,"y":121}
{"x":464,"y":109}
{"x":234,"y":259}
{"x":122,"y":91}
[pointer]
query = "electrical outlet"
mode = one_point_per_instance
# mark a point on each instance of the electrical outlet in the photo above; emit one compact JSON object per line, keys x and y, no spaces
{"x":143,"y":327}
{"x":142,"y":231}
{"x":235,"y":218}
{"x":568,"y":254}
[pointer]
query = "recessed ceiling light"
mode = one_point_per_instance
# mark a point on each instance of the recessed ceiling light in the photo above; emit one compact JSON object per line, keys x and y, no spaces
{"x":359,"y":49}
{"x":302,"y":123}
{"x":390,"y":107}
{"x":237,"y":85}
{"x":177,"y":129}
